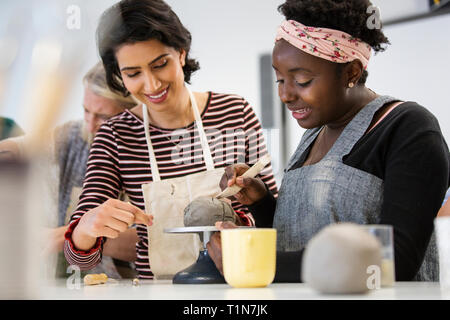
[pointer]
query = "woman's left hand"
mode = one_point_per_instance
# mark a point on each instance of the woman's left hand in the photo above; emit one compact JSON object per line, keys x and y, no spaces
{"x":214,"y":246}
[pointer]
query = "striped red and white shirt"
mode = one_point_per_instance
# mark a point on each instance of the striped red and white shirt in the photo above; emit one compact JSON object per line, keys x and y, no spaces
{"x":119,"y":160}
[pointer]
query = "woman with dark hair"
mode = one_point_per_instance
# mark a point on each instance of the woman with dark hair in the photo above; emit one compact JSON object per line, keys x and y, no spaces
{"x":364,"y":158}
{"x":170,"y":149}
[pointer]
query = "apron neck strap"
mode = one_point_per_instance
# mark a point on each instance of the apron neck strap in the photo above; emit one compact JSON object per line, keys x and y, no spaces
{"x":357,"y":127}
{"x":203,"y":140}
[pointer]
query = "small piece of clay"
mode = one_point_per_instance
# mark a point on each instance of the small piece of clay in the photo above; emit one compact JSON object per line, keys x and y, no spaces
{"x":91,"y":279}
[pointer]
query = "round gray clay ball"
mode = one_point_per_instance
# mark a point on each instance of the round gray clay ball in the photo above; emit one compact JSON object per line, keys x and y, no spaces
{"x":336,"y":259}
{"x":205,"y":211}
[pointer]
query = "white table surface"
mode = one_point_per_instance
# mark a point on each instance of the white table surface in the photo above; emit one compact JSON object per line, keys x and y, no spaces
{"x":165,"y":290}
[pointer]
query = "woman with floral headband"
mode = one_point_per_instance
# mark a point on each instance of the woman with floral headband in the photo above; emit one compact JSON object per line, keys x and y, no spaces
{"x":365,"y":158}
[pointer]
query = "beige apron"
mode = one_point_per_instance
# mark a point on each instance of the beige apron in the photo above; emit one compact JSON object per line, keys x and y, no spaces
{"x":166,"y":200}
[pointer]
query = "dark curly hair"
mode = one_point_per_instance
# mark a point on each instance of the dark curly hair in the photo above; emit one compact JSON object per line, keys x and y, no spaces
{"x":131,"y":21}
{"x":349,"y":16}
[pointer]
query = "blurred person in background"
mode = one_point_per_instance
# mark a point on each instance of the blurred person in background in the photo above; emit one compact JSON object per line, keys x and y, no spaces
{"x":69,"y":148}
{"x":8,"y":128}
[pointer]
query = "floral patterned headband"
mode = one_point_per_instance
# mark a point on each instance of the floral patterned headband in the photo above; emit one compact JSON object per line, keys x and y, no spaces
{"x":329,"y":44}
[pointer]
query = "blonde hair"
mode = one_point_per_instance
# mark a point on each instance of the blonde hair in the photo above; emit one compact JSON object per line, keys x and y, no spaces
{"x":95,"y":80}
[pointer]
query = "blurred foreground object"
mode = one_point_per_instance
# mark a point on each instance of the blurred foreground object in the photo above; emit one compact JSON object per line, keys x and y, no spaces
{"x":338,"y":260}
{"x":37,"y":71}
{"x":385,"y":235}
{"x":16,"y":275}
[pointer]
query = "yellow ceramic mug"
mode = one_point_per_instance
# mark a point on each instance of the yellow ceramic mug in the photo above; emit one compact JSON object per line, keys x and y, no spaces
{"x":249,"y":256}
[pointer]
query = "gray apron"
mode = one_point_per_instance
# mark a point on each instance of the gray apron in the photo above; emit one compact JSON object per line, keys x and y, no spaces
{"x":329,"y":191}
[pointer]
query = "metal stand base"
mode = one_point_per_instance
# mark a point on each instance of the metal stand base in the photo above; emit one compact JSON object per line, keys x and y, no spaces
{"x":201,"y":272}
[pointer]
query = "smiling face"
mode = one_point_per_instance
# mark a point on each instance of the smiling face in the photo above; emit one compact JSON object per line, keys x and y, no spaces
{"x":153,"y":73}
{"x":311,"y":87}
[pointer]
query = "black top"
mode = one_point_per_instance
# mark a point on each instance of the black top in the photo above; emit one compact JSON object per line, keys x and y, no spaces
{"x":408,"y":152}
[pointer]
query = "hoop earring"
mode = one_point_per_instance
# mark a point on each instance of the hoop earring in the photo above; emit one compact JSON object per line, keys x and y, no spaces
{"x":351,"y":84}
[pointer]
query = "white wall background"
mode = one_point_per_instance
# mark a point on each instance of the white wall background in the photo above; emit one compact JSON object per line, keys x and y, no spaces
{"x":229,"y":36}
{"x":417,"y":66}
